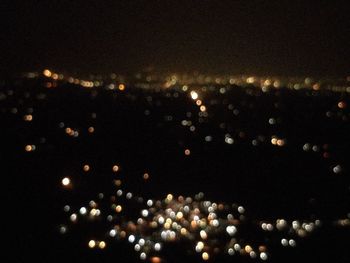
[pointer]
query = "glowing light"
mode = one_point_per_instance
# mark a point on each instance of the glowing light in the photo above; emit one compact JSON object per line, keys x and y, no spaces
{"x":263,"y":256}
{"x":47,"y":73}
{"x":115,"y":168}
{"x":143,"y":256}
{"x":121,"y":87}
{"x":113,"y":233}
{"x":194,"y":95}
{"x":231,"y":230}
{"x":102,"y":245}
{"x":92,"y":243}
{"x":187,"y":152}
{"x":65,"y":181}
{"x":131,"y":238}
{"x":145,"y":176}
{"x":28,"y":148}
{"x":86,"y":168}
{"x":205,"y":256}
{"x":118,"y":208}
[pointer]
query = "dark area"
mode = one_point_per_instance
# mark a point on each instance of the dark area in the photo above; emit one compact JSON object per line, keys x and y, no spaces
{"x":251,"y":37}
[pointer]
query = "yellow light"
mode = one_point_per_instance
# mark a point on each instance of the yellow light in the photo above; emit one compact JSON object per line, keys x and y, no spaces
{"x":118,"y":208}
{"x":65,"y":181}
{"x":86,"y":168}
{"x":121,"y":87}
{"x":91,"y":129}
{"x":47,"y":73}
{"x":115,"y":168}
{"x":92,"y":243}
{"x":205,"y":256}
{"x":169,"y":197}
{"x":28,"y":148}
{"x":198,"y":102}
{"x":203,"y":108}
{"x":28,"y":117}
{"x":102,"y":245}
{"x":55,"y":76}
{"x":248,"y":249}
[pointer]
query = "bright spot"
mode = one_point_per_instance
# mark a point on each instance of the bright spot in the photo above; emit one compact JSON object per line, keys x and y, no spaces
{"x":131,"y":238}
{"x":115,"y":168}
{"x":82,"y":210}
{"x":231,"y":230}
{"x":205,"y":256}
{"x":157,"y":247}
{"x":263,"y":256}
{"x":144,"y":212}
{"x":66,"y":181}
{"x":194,"y":95}
{"x":102,"y":245}
{"x":143,"y":256}
{"x":92,"y":243}
{"x":113,"y":233}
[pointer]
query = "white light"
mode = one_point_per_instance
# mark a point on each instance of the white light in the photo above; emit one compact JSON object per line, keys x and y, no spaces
{"x":112,"y":233}
{"x":292,"y":243}
{"x":143,"y":256}
{"x":73,"y":217}
{"x":203,"y":234}
{"x":150,"y":202}
{"x":194,"y":95}
{"x":82,"y":210}
{"x":284,"y":242}
{"x":241,"y":209}
{"x":157,"y":247}
{"x":263,"y":256}
{"x":142,"y":242}
{"x":231,"y":230}
{"x":231,"y":251}
{"x":144,"y":212}
{"x":66,"y":208}
{"x":131,"y":238}
{"x":137,"y":247}
{"x":65,"y":181}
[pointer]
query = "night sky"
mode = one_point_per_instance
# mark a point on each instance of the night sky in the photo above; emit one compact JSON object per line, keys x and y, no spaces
{"x":254,"y":37}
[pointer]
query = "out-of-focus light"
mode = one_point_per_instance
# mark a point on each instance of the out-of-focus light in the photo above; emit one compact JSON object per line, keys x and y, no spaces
{"x":194,"y":95}
{"x":92,"y":243}
{"x":187,"y":152}
{"x":65,"y":181}
{"x":121,"y":87}
{"x":263,"y":256}
{"x":143,"y":256}
{"x":47,"y":73}
{"x":341,"y":104}
{"x":205,"y":256}
{"x":86,"y":168}
{"x":113,"y":233}
{"x":156,"y":260}
{"x":115,"y":168}
{"x":131,"y":238}
{"x":102,"y":245}
{"x":145,"y":176}
{"x":118,"y":208}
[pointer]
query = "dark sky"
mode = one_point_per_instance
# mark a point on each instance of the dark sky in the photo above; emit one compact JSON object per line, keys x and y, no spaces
{"x":262,"y":37}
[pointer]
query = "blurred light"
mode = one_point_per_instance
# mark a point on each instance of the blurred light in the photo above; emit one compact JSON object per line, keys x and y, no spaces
{"x":65,"y":181}
{"x":92,"y":243}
